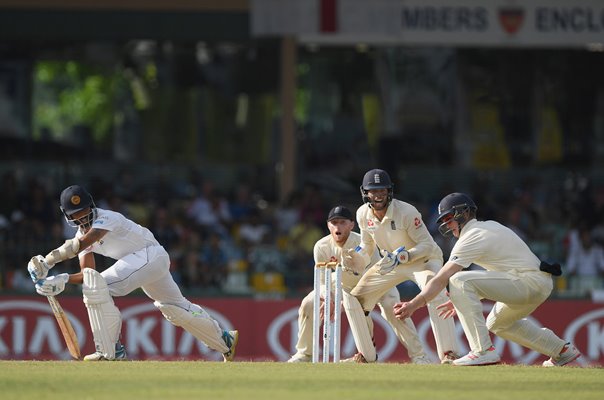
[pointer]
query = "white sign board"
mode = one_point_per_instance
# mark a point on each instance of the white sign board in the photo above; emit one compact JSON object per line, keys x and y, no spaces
{"x":542,"y":23}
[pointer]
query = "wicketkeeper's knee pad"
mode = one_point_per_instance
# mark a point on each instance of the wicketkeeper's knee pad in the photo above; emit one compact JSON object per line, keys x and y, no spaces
{"x":105,"y":318}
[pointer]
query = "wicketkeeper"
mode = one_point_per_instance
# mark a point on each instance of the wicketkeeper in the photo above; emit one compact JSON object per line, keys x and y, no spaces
{"x":339,"y":246}
{"x":408,"y":252}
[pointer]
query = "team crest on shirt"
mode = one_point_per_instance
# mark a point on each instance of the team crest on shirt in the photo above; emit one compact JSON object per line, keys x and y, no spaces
{"x":333,"y":259}
{"x":417,"y":222}
{"x":371,"y":225}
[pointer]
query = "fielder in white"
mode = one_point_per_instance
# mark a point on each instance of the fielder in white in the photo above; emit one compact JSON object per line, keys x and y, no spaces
{"x":513,"y":277}
{"x":339,"y":246}
{"x":141,"y":263}
{"x":408,"y":253}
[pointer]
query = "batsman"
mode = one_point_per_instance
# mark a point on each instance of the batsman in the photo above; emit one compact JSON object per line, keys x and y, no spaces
{"x":141,"y":263}
{"x":408,"y":252}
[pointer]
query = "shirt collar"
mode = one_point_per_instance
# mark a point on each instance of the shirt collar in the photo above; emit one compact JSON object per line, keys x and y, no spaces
{"x":388,"y":215}
{"x":467,"y":226}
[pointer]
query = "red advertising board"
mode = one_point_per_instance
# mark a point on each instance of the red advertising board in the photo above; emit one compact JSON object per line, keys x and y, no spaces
{"x":267,"y":330}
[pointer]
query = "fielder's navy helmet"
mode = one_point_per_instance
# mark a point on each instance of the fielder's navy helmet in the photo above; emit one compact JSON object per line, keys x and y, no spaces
{"x":455,"y":204}
{"x":376,"y":179}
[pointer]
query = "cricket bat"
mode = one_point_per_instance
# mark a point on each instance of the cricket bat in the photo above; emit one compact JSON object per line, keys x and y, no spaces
{"x":66,"y":329}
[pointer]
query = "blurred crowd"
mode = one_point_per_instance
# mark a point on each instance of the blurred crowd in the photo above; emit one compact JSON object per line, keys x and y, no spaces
{"x":240,"y":243}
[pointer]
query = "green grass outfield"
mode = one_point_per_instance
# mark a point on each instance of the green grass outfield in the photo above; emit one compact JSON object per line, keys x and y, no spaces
{"x":275,"y":381}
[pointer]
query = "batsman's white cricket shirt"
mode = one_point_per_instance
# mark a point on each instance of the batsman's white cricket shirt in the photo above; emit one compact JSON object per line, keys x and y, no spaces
{"x":494,"y":247}
{"x":401,"y":226}
{"x":124,"y":236}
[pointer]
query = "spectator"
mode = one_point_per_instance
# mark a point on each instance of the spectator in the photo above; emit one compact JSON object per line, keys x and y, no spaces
{"x":253,"y":230}
{"x":210,"y":210}
{"x":584,"y":263}
{"x":214,"y":261}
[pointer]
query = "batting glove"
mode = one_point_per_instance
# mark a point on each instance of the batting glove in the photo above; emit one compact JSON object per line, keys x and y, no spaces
{"x":53,"y":285}
{"x":38,"y":268}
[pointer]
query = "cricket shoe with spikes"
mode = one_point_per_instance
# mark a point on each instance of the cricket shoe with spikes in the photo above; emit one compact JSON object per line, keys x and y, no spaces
{"x":358,"y":358}
{"x":230,"y":339}
{"x":487,"y":357}
{"x":421,"y":360}
{"x":449,"y":357}
{"x":120,"y":354}
{"x":568,"y":354}
{"x":298,"y":358}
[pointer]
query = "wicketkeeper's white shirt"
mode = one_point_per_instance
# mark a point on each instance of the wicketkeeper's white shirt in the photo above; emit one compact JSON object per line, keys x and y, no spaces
{"x":401,"y":226}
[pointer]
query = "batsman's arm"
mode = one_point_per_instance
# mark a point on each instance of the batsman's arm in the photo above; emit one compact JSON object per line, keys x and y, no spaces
{"x":86,"y":261}
{"x":72,"y":247}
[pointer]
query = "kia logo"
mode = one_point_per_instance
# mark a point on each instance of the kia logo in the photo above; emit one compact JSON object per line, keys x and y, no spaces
{"x":141,"y":334}
{"x":30,"y":337}
{"x":592,"y":323}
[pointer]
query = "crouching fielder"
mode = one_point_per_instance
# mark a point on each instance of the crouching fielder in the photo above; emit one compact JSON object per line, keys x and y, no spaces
{"x":141,"y":263}
{"x":514,"y":278}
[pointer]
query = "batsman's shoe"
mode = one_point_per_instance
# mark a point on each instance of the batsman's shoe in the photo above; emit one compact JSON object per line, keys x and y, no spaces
{"x":230,"y":339}
{"x":568,"y":354}
{"x":120,"y":355}
{"x":449,"y":357}
{"x":357,"y":358}
{"x":421,"y":360}
{"x":298,"y":357}
{"x":488,"y":357}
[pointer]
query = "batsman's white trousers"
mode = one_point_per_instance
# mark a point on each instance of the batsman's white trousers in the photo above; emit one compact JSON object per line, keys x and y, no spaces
{"x":149,"y":269}
{"x":516,"y":295}
{"x":374,"y":285}
{"x":405,"y":330}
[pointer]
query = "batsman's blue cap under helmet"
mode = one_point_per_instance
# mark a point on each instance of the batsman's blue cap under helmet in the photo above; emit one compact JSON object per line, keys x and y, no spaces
{"x":340,"y":212}
{"x":376,"y":179}
{"x":454,"y":203}
{"x":75,"y":198}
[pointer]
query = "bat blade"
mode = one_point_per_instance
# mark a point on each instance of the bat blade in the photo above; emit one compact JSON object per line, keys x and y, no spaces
{"x":71,"y":340}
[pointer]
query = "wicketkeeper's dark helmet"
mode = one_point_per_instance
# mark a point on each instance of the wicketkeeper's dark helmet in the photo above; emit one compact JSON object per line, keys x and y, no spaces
{"x":376,"y":179}
{"x":73,"y":199}
{"x":455,"y":204}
